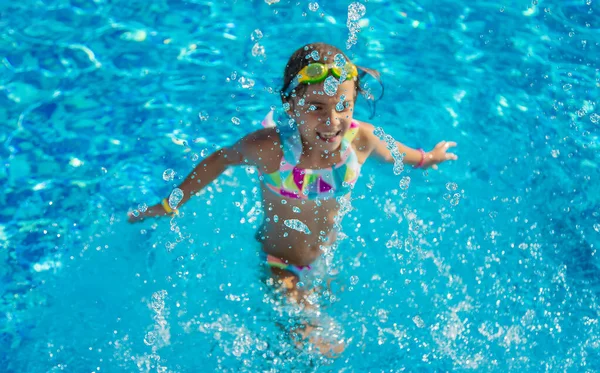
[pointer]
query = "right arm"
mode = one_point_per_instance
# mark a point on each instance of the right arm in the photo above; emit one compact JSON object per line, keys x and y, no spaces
{"x":246,"y":151}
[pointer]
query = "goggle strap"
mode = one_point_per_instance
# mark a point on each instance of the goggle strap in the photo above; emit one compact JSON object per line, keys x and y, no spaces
{"x":363,"y":71}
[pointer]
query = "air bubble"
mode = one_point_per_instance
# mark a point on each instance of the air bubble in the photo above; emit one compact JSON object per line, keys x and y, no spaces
{"x":313,"y":6}
{"x":567,"y":87}
{"x":236,"y":121}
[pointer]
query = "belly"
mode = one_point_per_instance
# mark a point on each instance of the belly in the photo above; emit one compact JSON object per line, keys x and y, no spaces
{"x":294,"y":230}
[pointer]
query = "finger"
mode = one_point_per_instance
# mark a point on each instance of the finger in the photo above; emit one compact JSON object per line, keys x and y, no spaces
{"x":441,"y":143}
{"x":451,"y":156}
{"x":435,"y":167}
{"x":450,"y":144}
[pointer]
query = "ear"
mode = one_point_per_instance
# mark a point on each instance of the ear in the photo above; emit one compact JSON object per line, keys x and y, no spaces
{"x":292,"y":104}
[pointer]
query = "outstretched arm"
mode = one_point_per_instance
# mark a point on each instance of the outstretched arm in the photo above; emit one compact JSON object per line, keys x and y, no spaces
{"x":415,"y":157}
{"x":242,"y":152}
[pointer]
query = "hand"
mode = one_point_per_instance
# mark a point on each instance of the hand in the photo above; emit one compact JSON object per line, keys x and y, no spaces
{"x":132,"y":218}
{"x":152,"y":211}
{"x":440,"y":154}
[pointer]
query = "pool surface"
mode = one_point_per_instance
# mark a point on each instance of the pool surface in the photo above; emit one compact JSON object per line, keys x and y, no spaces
{"x":489,"y":264}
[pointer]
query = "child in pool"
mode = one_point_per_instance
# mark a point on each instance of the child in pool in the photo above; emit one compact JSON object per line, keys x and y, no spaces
{"x":310,"y":164}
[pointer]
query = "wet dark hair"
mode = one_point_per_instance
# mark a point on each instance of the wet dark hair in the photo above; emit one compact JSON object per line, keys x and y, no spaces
{"x":326,"y":53}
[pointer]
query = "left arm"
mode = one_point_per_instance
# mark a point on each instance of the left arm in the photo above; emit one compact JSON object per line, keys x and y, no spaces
{"x":412,"y":156}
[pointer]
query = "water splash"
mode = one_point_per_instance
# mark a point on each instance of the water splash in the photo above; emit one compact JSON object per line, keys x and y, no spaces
{"x":390,"y":144}
{"x":356,"y":11}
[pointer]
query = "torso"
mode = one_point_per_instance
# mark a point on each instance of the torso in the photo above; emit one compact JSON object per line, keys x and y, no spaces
{"x":317,"y":215}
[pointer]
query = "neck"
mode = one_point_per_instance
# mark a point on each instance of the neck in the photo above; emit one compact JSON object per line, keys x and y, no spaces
{"x":321,"y":155}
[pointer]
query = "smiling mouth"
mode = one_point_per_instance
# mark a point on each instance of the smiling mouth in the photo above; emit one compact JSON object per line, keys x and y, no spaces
{"x":329,"y":136}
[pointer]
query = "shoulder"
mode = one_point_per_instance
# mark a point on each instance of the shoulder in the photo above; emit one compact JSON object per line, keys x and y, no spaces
{"x":260,"y":148}
{"x":366,"y":139}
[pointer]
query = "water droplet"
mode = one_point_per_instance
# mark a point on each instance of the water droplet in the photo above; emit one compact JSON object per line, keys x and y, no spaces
{"x":555,"y":153}
{"x":271,"y":2}
{"x":296,"y":209}
{"x":297,"y":225}
{"x":356,"y":11}
{"x":339,"y":60}
{"x":236,"y":121}
{"x":169,"y":174}
{"x":195,"y":157}
{"x":276,"y":218}
{"x":405,"y":183}
{"x":451,"y":186}
{"x":418,"y":321}
{"x":455,"y":199}
{"x":135,"y":213}
{"x":246,"y":82}
{"x":567,"y":87}
{"x":331,"y":86}
{"x":143,"y":207}
{"x":258,"y":50}
{"x":256,"y":35}
{"x":150,"y":338}
{"x":382,"y":315}
{"x":203,"y":115}
{"x":597,"y":227}
{"x":354,"y":280}
{"x":315,"y":55}
{"x":313,"y":6}
{"x":595,"y":118}
{"x":175,"y":197}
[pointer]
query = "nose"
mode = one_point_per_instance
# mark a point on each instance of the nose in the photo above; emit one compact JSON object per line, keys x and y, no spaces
{"x":334,"y":119}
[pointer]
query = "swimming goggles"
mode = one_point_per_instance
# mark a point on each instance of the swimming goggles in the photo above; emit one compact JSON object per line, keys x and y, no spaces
{"x":317,"y":72}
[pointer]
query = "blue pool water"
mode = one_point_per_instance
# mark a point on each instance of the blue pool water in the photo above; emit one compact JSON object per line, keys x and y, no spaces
{"x":489,"y":264}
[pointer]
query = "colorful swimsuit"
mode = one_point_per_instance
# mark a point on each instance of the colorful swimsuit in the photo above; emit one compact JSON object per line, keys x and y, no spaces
{"x":294,"y":182}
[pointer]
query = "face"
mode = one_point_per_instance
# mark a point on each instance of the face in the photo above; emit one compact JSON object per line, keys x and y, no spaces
{"x":322,"y":119}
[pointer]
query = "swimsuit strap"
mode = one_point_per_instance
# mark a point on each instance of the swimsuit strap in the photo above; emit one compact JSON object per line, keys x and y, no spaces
{"x":345,"y":148}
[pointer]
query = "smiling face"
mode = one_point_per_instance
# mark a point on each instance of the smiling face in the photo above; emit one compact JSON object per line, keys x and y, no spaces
{"x":323,"y":119}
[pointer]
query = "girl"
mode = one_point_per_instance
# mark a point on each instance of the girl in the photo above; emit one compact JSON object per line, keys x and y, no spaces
{"x":307,"y":165}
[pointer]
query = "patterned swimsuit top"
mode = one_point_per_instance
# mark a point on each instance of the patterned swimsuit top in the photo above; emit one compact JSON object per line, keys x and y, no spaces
{"x":294,"y":182}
